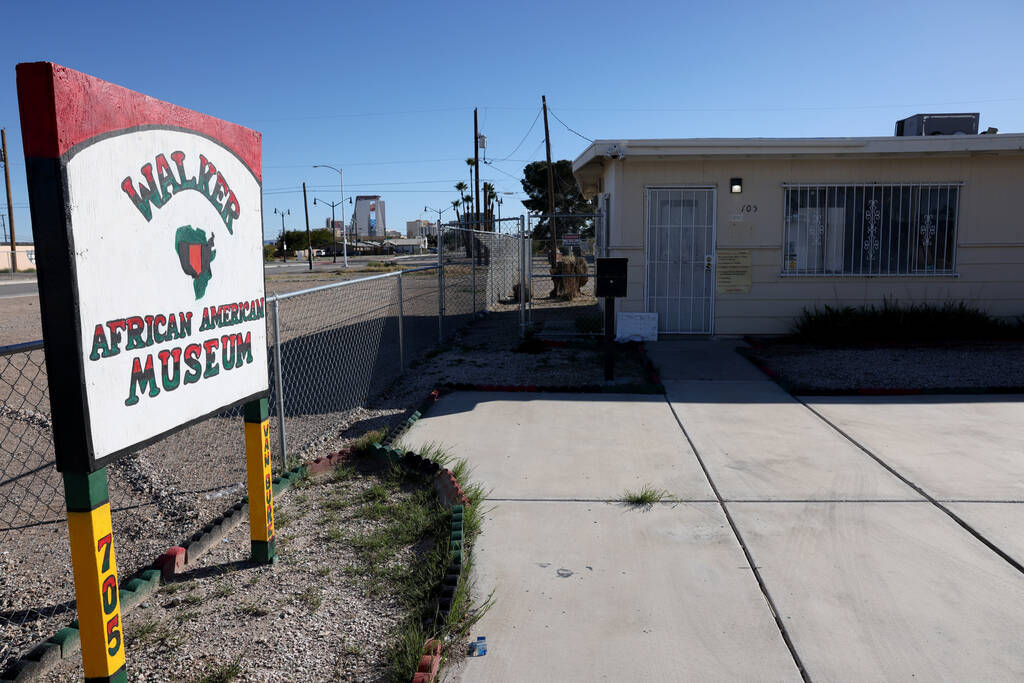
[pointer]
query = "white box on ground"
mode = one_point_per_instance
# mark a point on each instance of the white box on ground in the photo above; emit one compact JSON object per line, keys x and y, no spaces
{"x":636,"y":327}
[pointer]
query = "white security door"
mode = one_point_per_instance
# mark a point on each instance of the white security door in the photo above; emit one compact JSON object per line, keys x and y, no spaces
{"x":680,"y":258}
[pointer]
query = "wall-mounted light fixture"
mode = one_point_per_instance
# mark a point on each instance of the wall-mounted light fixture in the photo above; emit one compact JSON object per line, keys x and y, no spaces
{"x":735,"y":185}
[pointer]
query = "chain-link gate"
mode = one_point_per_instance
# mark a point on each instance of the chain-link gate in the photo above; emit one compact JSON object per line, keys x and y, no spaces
{"x":482,"y":266}
{"x":563,"y":301}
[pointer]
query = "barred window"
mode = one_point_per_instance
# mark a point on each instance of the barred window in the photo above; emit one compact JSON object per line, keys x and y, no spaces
{"x":870,"y":229}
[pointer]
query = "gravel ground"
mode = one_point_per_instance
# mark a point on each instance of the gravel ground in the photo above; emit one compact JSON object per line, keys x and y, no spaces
{"x":305,"y":618}
{"x":160,"y":501}
{"x":963,"y":366}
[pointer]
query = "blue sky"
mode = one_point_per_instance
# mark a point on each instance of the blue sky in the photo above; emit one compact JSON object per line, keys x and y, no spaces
{"x":386,"y":90}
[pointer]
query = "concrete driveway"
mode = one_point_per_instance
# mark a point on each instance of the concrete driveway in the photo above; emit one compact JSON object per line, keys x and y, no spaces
{"x":833,"y":539}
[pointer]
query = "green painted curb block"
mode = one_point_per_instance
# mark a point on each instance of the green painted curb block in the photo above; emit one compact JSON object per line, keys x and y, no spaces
{"x":456,"y":525}
{"x":457,"y":534}
{"x":69,"y":640}
{"x":457,"y":509}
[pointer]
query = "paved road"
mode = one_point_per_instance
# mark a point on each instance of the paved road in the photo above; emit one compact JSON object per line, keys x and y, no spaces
{"x":10,"y":289}
{"x":835,"y":539}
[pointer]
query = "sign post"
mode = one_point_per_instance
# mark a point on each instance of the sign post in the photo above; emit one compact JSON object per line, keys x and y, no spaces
{"x":95,"y":572}
{"x":148,"y":224}
{"x":611,"y":283}
{"x":260,"y":480}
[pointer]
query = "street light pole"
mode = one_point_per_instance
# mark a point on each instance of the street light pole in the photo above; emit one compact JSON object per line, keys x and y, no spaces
{"x":333,"y":231}
{"x":284,"y":244}
{"x":344,"y":229}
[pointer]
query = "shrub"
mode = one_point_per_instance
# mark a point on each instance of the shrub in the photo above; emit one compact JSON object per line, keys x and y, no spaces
{"x":892,"y":323}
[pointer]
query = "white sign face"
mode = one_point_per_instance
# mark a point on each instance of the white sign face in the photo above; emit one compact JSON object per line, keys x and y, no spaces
{"x":167,"y":234}
{"x":636,"y":327}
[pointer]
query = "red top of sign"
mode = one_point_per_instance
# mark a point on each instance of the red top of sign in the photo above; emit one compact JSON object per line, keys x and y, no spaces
{"x":61,"y":108}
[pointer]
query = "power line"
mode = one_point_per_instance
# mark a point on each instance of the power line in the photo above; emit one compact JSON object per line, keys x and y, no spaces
{"x":370,"y":163}
{"x":535,"y":119}
{"x":801,"y":108}
{"x":566,"y":125}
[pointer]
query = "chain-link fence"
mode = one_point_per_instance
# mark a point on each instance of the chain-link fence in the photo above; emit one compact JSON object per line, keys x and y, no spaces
{"x":332,"y":349}
{"x":563,"y":301}
{"x":482,"y":266}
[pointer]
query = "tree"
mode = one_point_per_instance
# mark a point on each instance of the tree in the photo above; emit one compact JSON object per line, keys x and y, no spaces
{"x":568,"y":198}
{"x":296,"y":239}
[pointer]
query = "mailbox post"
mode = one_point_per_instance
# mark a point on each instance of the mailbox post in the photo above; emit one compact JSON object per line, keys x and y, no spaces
{"x":611,"y":283}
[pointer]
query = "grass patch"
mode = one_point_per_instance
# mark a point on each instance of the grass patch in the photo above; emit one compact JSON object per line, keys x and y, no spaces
{"x":425,"y":577}
{"x":647,"y":495}
{"x":893,"y":323}
{"x":361,"y":445}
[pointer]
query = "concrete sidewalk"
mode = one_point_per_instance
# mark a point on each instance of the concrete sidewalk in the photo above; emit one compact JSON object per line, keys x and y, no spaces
{"x":869,"y":578}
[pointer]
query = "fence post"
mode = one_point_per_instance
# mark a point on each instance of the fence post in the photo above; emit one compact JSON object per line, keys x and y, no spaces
{"x":440,"y":284}
{"x":522,"y":275}
{"x":472,"y":279}
{"x":401,"y":337}
{"x":279,"y":385}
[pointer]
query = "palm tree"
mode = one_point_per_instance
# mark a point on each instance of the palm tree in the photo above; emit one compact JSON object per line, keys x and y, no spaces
{"x":489,"y":196}
{"x":455,"y":205}
{"x":471,"y":162}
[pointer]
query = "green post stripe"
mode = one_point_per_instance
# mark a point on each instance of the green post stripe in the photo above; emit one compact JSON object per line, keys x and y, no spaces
{"x":257,"y":411}
{"x":262,"y":551}
{"x":119,"y":676}
{"x":85,"y":492}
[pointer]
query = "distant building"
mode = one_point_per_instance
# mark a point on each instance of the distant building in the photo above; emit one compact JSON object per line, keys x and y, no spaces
{"x":24,"y":256}
{"x":339,"y":228}
{"x":406,"y":245}
{"x":419,"y":228}
{"x":368,"y":216}
{"x":393,"y":233}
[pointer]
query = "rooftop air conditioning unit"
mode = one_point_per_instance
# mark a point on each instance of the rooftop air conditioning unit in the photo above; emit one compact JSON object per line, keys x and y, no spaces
{"x":938,"y":124}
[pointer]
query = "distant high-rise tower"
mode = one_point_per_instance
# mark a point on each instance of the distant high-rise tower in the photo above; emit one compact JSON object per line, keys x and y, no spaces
{"x":368,"y":216}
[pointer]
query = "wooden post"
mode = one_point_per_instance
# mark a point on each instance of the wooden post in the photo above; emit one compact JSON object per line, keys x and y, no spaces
{"x":95,"y":572}
{"x":10,"y":205}
{"x":551,"y":186}
{"x":260,"y":480}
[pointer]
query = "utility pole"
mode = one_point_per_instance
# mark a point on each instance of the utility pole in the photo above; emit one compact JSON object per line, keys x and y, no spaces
{"x":309,"y":237}
{"x":476,"y":166}
{"x":10,"y":202}
{"x":551,"y":186}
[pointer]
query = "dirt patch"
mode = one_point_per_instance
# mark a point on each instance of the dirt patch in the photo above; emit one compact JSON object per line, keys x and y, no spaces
{"x":967,"y":366}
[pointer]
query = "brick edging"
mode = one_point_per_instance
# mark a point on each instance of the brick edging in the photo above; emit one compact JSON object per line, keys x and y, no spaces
{"x":66,"y":642}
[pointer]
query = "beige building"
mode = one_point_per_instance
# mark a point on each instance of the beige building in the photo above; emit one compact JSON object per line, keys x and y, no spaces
{"x":24,"y":257}
{"x":736,"y":236}
{"x":419,"y":228}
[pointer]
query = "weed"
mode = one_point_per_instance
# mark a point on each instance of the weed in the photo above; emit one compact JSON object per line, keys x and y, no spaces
{"x":363,"y":443}
{"x":589,"y":325}
{"x":191,"y":600}
{"x":343,"y":473}
{"x":221,"y":673}
{"x":281,"y":518}
{"x":647,"y":495}
{"x":323,"y":571}
{"x":252,"y":609}
{"x":172,"y":588}
{"x":222,"y":591}
{"x":186,"y":616}
{"x":140,"y":632}
{"x":352,"y":650}
{"x":530,"y":344}
{"x":310,"y":597}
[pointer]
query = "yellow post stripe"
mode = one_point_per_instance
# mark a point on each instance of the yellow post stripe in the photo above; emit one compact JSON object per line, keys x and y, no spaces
{"x":96,"y":591}
{"x":260,"y":479}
